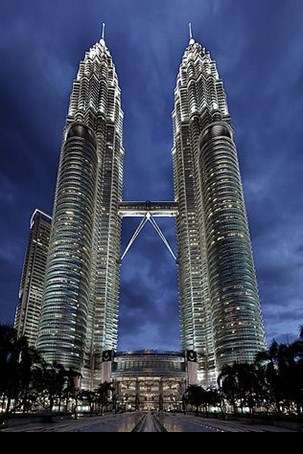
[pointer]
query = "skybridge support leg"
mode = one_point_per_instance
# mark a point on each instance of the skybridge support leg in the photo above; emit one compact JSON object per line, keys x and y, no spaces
{"x":162,"y":236}
{"x":135,"y":236}
{"x":149,"y":218}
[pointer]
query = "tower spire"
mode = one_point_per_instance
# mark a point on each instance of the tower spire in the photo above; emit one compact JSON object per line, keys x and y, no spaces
{"x":103,"y":33}
{"x":191,"y":36}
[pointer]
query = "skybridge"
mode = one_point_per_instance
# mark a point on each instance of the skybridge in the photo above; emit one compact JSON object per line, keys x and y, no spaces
{"x":148,"y":211}
{"x":155,"y":209}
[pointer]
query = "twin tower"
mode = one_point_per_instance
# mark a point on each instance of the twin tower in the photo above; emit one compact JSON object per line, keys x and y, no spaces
{"x":221,"y":319}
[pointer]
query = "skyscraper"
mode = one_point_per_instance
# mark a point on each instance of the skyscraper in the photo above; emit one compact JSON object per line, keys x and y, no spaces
{"x":221,"y":320}
{"x":80,"y":311}
{"x":220,"y":308}
{"x":32,"y":281}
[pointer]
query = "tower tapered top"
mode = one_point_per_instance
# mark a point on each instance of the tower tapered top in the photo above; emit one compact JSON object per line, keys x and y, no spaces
{"x":191,"y":36}
{"x":103,"y":33}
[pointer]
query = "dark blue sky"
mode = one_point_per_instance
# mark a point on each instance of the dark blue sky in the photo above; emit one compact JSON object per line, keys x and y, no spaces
{"x":258,"y":46}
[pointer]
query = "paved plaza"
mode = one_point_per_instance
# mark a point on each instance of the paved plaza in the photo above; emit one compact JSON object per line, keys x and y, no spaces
{"x":139,"y":422}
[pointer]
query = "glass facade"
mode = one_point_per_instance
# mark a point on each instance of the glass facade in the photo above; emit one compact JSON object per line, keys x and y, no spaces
{"x":32,"y":282}
{"x":149,"y":381}
{"x":236,"y":312}
{"x":221,"y":320}
{"x":220,"y":309}
{"x":64,"y":316}
{"x":81,"y":298}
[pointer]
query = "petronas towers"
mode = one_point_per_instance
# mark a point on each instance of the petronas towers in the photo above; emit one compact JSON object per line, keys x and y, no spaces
{"x":221,"y":318}
{"x":80,"y":310}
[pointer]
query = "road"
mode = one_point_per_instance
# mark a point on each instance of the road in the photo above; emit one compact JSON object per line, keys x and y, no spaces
{"x":139,"y":422}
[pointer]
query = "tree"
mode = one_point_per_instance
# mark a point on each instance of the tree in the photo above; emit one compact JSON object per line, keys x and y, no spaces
{"x":29,"y":360}
{"x":282,"y":366}
{"x":295,"y":374}
{"x":228,"y":384}
{"x":195,"y":396}
{"x":88,"y":398}
{"x":212,"y":398}
{"x":72,"y":390}
{"x":242,"y":385}
{"x":14,"y":365}
{"x":50,"y":379}
{"x":103,"y":393}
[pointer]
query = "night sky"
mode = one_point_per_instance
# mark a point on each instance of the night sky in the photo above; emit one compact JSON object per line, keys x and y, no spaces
{"x":258,"y":46}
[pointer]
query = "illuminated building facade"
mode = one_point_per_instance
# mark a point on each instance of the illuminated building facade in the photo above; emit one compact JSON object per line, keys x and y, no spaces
{"x":150,"y":381}
{"x":220,"y":307}
{"x":80,"y":310}
{"x":32,"y":281}
{"x":221,"y":320}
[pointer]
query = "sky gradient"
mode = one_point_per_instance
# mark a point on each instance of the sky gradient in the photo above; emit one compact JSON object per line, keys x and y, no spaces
{"x":258,"y":46}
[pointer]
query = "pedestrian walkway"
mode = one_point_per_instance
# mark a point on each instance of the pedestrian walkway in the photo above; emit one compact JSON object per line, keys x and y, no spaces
{"x":149,"y":423}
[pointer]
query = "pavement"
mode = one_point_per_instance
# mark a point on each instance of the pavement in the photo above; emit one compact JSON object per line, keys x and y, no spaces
{"x":108,"y":423}
{"x":140,"y":422}
{"x":188,"y":423}
{"x":150,"y":423}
